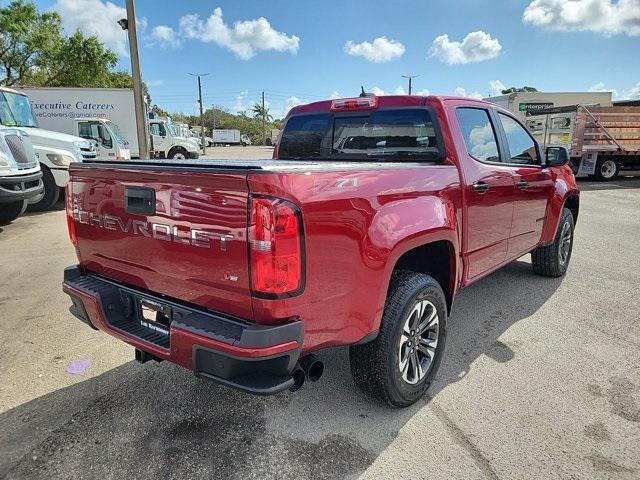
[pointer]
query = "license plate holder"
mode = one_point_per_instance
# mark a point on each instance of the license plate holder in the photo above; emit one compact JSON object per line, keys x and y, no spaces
{"x":154,"y":315}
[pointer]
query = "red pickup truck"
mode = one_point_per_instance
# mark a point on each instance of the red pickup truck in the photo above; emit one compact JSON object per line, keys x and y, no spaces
{"x":372,"y":214}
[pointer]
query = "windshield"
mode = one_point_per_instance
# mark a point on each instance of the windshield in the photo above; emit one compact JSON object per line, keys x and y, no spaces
{"x":389,"y":133}
{"x":172,"y":129}
{"x":117,"y":133}
{"x":15,"y":111}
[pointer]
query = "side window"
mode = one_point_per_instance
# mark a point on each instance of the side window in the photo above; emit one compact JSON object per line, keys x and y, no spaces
{"x":83,"y":130}
{"x":104,"y":136}
{"x":155,"y":129}
{"x":479,"y":136}
{"x":522,"y":148}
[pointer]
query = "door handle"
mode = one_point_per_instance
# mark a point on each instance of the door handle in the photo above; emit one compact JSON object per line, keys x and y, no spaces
{"x":522,"y":185}
{"x":480,"y":187}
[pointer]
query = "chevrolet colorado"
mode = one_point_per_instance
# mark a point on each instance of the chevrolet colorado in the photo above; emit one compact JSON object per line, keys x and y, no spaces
{"x":360,"y":231}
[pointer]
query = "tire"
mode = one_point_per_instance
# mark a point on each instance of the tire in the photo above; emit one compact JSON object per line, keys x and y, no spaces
{"x":606,"y":169}
{"x":178,"y":153}
{"x":376,"y":366}
{"x":10,"y":211}
{"x":553,"y":260}
{"x":51,"y":193}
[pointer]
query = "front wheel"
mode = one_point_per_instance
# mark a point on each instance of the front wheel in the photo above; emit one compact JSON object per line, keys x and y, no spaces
{"x":178,"y":154}
{"x":553,"y":260}
{"x":400,"y":364}
{"x":50,"y":195}
{"x":10,"y":211}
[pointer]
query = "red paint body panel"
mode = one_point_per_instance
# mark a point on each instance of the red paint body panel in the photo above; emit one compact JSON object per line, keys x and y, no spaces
{"x":358,"y":220}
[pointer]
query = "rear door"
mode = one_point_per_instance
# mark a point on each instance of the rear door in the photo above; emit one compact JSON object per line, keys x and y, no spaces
{"x":489,"y":190}
{"x":534,"y":185}
{"x":168,"y":230}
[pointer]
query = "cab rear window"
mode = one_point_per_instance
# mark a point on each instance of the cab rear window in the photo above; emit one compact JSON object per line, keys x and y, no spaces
{"x":388,"y":134}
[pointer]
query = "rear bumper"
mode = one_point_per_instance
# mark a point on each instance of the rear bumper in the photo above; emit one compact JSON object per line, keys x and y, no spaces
{"x":20,"y":187}
{"x":254,"y":358}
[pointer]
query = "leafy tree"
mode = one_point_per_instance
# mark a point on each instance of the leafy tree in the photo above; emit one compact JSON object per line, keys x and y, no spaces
{"x":27,"y":40}
{"x":259,"y":111}
{"x":35,"y":52}
{"x":79,"y":61}
{"x":159,"y":111}
{"x":518,"y":89}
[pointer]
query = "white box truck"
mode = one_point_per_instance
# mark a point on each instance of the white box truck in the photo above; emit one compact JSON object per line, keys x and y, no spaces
{"x":54,"y":150}
{"x":229,"y":137}
{"x":104,"y":115}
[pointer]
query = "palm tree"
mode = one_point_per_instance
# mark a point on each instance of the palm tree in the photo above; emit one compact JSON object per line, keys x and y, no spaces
{"x":259,"y":111}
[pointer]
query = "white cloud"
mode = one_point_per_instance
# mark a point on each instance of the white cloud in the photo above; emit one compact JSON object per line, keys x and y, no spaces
{"x":633,"y":93}
{"x":95,"y":17}
{"x":600,"y":87}
{"x":424,"y":92}
{"x":154,"y":83}
{"x":245,"y":38}
{"x":334,"y":95}
{"x":165,"y":36}
{"x":475,"y":47}
{"x":608,"y":17}
{"x":377,"y":91}
{"x":294,"y":101}
{"x":239,"y":105}
{"x":496,"y":87}
{"x":379,"y":51}
{"x":462,"y":92}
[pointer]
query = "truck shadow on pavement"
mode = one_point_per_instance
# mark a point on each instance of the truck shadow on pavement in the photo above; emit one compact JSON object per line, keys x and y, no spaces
{"x":156,"y":420}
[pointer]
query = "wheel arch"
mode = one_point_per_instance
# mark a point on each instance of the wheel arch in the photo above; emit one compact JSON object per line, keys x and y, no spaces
{"x":572,"y":202}
{"x":436,"y":259}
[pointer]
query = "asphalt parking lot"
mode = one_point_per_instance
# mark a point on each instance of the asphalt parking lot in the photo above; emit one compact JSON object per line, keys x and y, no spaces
{"x":541,"y":379}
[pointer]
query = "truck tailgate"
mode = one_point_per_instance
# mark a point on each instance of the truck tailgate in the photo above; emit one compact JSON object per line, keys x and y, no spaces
{"x":177,"y":233}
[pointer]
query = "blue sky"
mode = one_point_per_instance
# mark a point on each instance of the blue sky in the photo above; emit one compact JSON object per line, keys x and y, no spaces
{"x":299,"y":52}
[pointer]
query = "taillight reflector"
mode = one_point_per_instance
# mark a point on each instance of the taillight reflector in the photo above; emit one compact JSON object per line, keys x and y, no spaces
{"x":358,"y":103}
{"x":276,"y":248}
{"x":68,"y":206}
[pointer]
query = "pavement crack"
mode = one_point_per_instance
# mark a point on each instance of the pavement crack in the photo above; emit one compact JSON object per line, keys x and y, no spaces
{"x":463,"y":440}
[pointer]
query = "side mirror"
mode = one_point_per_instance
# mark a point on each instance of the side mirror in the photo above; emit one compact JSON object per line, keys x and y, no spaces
{"x":556,"y":156}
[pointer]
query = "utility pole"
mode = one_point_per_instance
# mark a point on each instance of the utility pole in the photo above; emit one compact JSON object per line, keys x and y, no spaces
{"x":264,"y":132}
{"x":129,"y":24}
{"x":410,"y":77}
{"x":202,"y":142}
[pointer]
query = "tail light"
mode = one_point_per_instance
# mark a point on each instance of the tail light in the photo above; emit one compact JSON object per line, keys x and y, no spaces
{"x":68,"y":205}
{"x":276,"y":248}
{"x":358,"y":103}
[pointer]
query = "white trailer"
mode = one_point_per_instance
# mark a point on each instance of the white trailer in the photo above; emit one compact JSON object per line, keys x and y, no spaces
{"x":59,"y":109}
{"x":520,"y":103}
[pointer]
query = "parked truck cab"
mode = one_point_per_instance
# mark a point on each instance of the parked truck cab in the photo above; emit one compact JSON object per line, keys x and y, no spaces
{"x":55,"y":151}
{"x":109,"y":142}
{"x":372,"y":215}
{"x":20,"y":174}
{"x":167,"y":142}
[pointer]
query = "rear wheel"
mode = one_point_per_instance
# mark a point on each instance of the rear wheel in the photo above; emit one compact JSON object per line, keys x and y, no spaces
{"x":553,"y":260}
{"x":400,"y":364}
{"x":606,"y":169}
{"x":10,"y":211}
{"x":50,"y":195}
